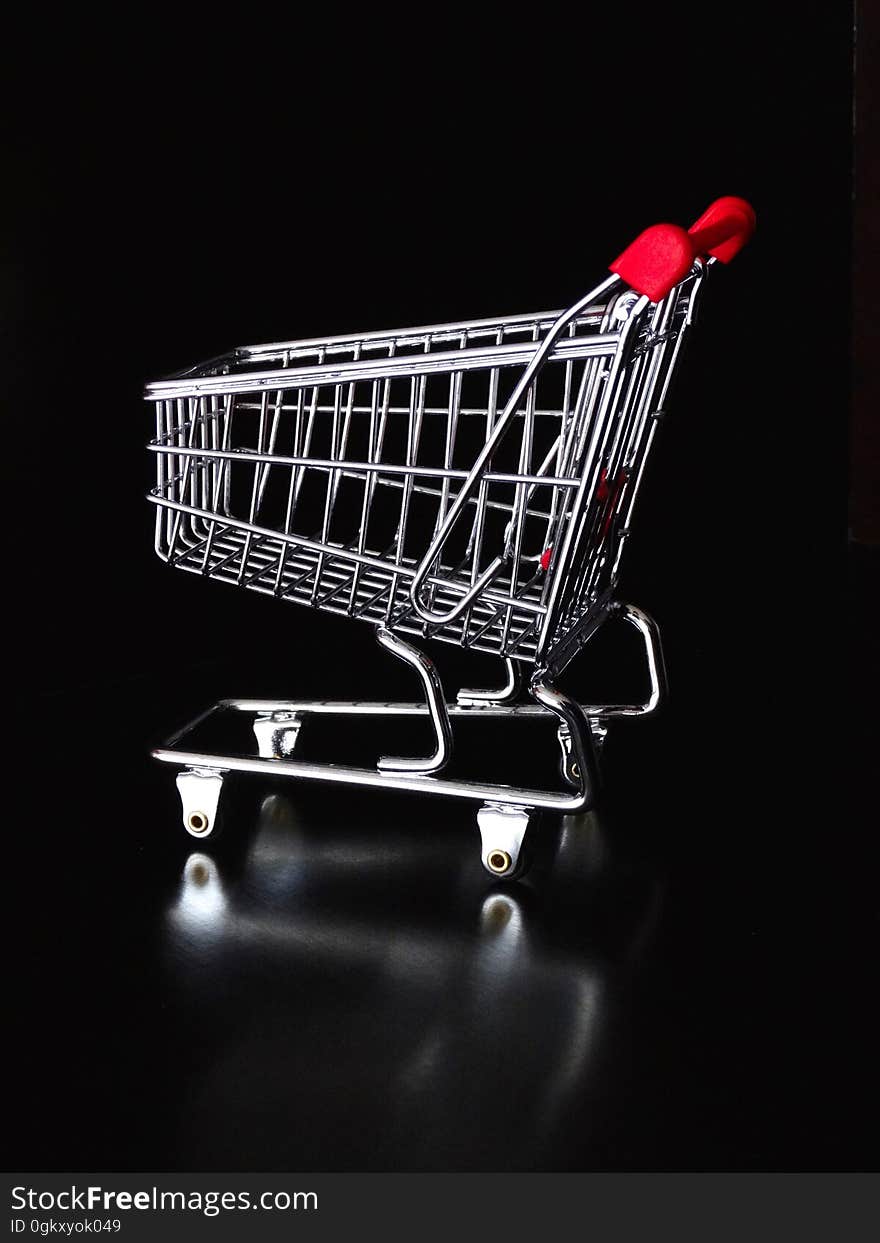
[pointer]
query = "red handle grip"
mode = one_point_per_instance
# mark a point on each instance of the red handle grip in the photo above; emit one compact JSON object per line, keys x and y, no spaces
{"x":664,"y":254}
{"x":723,"y":229}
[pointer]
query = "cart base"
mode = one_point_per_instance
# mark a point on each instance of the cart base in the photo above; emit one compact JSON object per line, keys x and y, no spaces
{"x":506,"y":813}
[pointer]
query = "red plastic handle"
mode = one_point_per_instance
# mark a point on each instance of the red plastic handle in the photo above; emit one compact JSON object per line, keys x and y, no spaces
{"x":723,"y":229}
{"x":664,"y":254}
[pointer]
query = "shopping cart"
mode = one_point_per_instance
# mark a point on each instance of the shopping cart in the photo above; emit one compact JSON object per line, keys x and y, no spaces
{"x":472,"y":483}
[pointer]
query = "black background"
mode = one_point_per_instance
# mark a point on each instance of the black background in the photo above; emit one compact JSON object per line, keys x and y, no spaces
{"x":171,"y":197}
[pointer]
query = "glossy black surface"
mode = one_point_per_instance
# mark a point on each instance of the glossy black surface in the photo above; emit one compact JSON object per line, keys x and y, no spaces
{"x":335,"y":983}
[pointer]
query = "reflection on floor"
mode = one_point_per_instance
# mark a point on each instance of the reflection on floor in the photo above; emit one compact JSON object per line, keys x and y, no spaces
{"x":376,"y":1025}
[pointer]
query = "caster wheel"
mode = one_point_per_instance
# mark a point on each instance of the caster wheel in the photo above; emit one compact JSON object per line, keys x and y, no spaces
{"x":199,"y":796}
{"x":505,"y":854}
{"x":198,"y":824}
{"x":568,"y":766}
{"x":501,"y":867}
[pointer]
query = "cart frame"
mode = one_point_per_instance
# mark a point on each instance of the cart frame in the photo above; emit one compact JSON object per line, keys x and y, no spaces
{"x":618,"y":348}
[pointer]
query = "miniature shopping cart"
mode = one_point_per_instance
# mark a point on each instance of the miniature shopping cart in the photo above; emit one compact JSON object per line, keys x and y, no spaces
{"x":471,"y":483}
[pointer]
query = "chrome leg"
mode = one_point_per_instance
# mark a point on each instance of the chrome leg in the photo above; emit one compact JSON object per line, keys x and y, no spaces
{"x":575,"y":739}
{"x":199,"y":790}
{"x":436,"y":706}
{"x":568,"y":765}
{"x":504,"y":695}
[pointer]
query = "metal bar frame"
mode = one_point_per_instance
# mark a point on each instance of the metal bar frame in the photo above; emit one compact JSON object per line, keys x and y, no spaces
{"x":417,"y":776}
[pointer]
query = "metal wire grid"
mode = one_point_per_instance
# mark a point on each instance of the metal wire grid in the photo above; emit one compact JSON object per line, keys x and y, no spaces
{"x":249,"y":460}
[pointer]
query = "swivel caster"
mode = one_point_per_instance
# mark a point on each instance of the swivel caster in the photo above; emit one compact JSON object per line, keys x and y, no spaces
{"x":503,"y":831}
{"x":568,"y":766}
{"x":199,"y":790}
{"x":276,"y":734}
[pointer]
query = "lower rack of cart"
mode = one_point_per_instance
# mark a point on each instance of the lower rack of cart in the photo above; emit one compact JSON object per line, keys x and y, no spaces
{"x":506,"y":814}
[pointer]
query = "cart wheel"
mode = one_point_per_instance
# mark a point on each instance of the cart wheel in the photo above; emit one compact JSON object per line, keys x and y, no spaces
{"x":199,"y":791}
{"x":503,"y":830}
{"x":276,"y":734}
{"x":567,"y":764}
